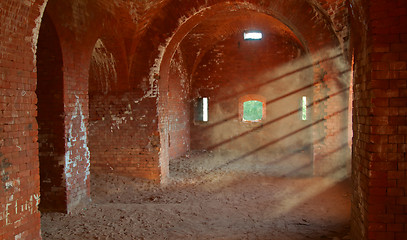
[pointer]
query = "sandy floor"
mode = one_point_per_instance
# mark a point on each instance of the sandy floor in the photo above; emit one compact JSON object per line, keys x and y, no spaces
{"x":200,"y":203}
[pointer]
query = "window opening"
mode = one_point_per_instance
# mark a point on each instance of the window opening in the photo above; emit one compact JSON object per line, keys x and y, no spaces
{"x":304,"y":108}
{"x":205,"y":105}
{"x":202,"y":110}
{"x":252,"y":111}
{"x":252,"y":35}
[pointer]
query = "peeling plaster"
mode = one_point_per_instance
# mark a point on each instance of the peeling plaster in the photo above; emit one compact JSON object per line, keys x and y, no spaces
{"x":69,"y":162}
{"x":28,"y":3}
{"x":139,"y":8}
{"x":154,"y":73}
{"x":13,"y":184}
{"x":155,"y":69}
{"x":35,"y":33}
{"x":336,"y":24}
{"x":119,"y":120}
{"x":133,"y":12}
{"x":106,"y":65}
{"x":183,"y":74}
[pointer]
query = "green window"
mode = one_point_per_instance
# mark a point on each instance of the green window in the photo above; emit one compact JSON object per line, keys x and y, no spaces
{"x":304,"y":108}
{"x":252,"y":111}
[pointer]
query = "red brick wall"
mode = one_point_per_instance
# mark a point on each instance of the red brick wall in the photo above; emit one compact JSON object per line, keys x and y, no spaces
{"x":123,"y":135}
{"x":337,"y":11}
{"x":156,"y":137}
{"x":274,"y":69}
{"x":233,"y":69}
{"x":331,"y":97}
{"x":19,"y":165}
{"x":123,"y":116}
{"x":75,"y":46}
{"x":173,"y":111}
{"x":379,"y":152}
{"x":178,"y":108}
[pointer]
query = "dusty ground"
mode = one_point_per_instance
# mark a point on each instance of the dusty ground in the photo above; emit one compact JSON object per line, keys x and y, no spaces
{"x":202,"y":203}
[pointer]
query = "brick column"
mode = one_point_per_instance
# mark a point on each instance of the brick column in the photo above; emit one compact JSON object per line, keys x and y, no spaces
{"x":379,"y":205}
{"x":19,"y":165}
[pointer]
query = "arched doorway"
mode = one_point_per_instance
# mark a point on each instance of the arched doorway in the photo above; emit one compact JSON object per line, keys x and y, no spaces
{"x":51,"y":135}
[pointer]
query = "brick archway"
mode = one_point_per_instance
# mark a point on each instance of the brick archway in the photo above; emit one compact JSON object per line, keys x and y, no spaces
{"x":50,"y":118}
{"x":324,"y":52}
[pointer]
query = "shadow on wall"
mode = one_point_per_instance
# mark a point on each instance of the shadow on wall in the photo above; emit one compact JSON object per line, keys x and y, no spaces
{"x":280,"y":152}
{"x":292,"y":164}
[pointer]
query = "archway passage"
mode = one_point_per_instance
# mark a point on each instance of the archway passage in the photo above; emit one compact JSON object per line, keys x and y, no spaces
{"x":214,"y":61}
{"x":50,"y":119}
{"x":378,"y":36}
{"x":301,"y":77}
{"x":121,"y":119}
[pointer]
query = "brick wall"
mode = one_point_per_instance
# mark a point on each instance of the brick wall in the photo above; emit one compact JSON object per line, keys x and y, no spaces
{"x":154,"y":135}
{"x":75,"y":47}
{"x":178,"y":108}
{"x":282,"y":73}
{"x":19,"y":165}
{"x":164,"y":33}
{"x":173,"y":111}
{"x":235,"y":68}
{"x":337,"y":11}
{"x":123,"y":135}
{"x":379,"y":153}
{"x":331,"y":146}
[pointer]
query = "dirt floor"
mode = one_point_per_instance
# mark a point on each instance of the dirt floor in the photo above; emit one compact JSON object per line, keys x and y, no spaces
{"x":202,"y":202}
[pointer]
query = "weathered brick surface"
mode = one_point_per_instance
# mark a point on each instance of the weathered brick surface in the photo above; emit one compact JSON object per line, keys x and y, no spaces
{"x":126,"y":124}
{"x":178,"y":108}
{"x":19,"y":165}
{"x":123,"y":132}
{"x":122,"y":136}
{"x":378,"y":204}
{"x":74,"y":45}
{"x":235,"y":68}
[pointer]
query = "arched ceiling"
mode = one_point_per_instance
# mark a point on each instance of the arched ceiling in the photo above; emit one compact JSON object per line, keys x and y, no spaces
{"x":181,"y":23}
{"x":147,"y":27}
{"x":225,"y":24}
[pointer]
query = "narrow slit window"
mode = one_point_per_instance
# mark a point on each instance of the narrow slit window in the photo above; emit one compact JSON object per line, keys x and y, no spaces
{"x":252,"y":111}
{"x":205,"y":108}
{"x":304,"y":108}
{"x":252,"y":35}
{"x":202,"y":110}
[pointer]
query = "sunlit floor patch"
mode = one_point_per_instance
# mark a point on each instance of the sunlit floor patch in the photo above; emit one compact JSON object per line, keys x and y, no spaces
{"x":203,"y":204}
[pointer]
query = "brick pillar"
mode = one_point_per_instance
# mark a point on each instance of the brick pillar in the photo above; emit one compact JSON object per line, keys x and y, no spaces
{"x":63,"y":120}
{"x":76,"y":111}
{"x":379,"y":203}
{"x":19,"y":165}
